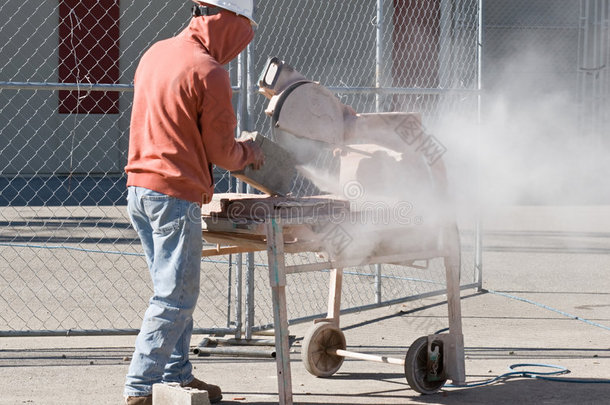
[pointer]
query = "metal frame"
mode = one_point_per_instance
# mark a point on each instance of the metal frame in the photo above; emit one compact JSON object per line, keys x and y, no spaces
{"x":277,"y":278}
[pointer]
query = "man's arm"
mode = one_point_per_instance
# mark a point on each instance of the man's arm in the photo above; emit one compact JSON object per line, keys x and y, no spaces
{"x":217,"y":123}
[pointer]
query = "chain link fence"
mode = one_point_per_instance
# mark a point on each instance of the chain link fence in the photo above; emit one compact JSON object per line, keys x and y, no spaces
{"x":69,"y":259}
{"x":546,"y":63}
{"x":376,"y":56}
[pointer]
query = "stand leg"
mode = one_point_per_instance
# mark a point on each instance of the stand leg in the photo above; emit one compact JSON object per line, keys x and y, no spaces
{"x":334,"y":296}
{"x":452,"y":270}
{"x":277,"y":279}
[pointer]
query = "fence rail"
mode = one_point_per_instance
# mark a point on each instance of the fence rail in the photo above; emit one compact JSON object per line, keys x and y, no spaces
{"x":236,"y":89}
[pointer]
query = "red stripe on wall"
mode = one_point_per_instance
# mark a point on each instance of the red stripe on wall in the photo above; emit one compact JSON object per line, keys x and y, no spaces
{"x":89,"y":53}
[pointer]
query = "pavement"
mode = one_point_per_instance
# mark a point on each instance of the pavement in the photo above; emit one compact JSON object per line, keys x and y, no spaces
{"x":546,"y":300}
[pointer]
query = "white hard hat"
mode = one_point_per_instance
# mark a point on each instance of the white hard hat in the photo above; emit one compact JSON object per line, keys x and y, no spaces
{"x":239,"y":7}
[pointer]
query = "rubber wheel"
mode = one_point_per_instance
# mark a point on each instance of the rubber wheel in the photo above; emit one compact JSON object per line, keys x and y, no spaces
{"x":416,"y":368}
{"x":320,"y":338}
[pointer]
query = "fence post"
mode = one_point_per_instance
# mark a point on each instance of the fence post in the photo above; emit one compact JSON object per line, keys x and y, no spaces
{"x":241,"y":125}
{"x":379,"y":54}
{"x":478,"y":249}
{"x":592,"y":72}
{"x":249,"y":90}
{"x":379,"y":82}
{"x":378,"y":295}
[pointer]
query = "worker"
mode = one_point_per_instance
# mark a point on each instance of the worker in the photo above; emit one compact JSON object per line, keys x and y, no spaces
{"x":182,"y":123}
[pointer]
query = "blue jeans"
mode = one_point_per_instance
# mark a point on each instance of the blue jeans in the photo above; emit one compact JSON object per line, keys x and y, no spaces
{"x":170,"y":232}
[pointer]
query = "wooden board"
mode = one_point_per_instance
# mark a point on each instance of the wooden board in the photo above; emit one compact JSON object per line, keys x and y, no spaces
{"x":242,"y":207}
{"x":247,"y":243}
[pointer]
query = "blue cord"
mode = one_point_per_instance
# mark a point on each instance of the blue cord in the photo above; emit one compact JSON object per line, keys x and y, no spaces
{"x":541,"y":375}
{"x":559,"y":370}
{"x":532,"y":374}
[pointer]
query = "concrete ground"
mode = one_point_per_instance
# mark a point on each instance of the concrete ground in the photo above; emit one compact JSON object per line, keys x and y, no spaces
{"x":544,"y":266}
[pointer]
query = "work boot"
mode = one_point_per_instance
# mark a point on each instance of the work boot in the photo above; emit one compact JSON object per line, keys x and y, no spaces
{"x":139,"y":400}
{"x":214,"y":392}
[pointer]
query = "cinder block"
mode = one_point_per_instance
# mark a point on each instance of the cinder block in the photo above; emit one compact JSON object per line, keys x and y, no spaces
{"x":276,"y":175}
{"x":174,"y":394}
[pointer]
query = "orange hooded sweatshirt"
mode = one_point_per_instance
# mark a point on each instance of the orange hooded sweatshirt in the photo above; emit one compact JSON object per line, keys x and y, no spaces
{"x":182,"y":120}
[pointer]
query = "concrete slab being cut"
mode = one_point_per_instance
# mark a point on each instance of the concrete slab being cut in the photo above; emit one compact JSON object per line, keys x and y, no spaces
{"x":276,"y":175}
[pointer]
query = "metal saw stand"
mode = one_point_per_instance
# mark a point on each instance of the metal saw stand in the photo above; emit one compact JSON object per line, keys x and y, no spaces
{"x":430,"y":361}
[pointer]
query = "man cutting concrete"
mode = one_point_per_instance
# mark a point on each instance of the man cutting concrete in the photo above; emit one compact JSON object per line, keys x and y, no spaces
{"x":182,"y":124}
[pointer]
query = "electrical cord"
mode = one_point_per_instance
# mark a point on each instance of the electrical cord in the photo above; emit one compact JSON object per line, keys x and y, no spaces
{"x":548,"y":376}
{"x":524,"y":373}
{"x":541,"y":375}
{"x":559,"y":370}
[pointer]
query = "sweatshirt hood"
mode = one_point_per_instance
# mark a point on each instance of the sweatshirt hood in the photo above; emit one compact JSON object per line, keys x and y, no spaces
{"x":224,"y":35}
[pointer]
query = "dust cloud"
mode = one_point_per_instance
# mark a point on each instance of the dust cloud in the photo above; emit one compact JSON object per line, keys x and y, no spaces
{"x":533,"y":145}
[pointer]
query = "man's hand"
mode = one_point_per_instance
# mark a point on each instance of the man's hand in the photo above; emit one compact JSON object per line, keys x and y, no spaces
{"x":257,"y":151}
{"x":247,"y":138}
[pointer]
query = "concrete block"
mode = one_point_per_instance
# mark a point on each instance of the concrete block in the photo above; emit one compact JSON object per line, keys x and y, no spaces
{"x":276,"y":175}
{"x":174,"y":394}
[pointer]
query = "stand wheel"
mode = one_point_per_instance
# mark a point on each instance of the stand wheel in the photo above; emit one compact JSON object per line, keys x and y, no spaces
{"x":321,"y":338}
{"x":416,"y":368}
